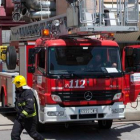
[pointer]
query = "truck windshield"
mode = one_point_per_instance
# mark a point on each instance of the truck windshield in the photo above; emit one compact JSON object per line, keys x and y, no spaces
{"x":84,"y":59}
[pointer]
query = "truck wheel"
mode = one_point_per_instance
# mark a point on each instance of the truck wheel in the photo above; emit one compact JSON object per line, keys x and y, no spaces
{"x":11,"y":58}
{"x":39,"y":127}
{"x":105,"y":124}
{"x":3,"y":100}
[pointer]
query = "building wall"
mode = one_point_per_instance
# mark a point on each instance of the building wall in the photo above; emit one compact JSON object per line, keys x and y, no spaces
{"x":128,"y":37}
{"x":110,"y":1}
{"x":61,"y":7}
{"x":5,"y":36}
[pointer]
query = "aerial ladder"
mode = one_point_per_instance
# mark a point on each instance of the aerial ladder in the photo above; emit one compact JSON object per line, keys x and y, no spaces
{"x":84,"y":18}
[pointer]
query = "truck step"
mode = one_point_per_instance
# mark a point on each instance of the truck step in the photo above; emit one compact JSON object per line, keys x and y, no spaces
{"x":7,"y":110}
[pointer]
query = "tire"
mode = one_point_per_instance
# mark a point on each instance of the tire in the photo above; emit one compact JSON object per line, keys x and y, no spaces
{"x":11,"y":58}
{"x":105,"y":124}
{"x":3,"y":100}
{"x":39,"y":126}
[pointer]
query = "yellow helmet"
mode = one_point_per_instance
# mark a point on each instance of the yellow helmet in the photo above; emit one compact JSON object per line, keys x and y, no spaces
{"x":19,"y":81}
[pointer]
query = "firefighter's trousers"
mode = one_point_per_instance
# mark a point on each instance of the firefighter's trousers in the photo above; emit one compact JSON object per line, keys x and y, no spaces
{"x":29,"y":125}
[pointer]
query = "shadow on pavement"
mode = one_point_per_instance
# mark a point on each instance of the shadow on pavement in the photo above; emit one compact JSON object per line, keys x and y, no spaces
{"x":86,"y":131}
{"x":10,"y":116}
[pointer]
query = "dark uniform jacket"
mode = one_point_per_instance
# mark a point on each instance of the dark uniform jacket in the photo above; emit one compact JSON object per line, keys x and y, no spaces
{"x":25,"y":103}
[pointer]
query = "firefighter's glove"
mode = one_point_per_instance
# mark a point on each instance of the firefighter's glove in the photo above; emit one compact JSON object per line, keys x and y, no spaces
{"x":21,"y":117}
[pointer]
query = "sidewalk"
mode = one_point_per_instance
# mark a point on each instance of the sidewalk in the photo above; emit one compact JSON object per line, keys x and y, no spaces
{"x":6,"y":123}
{"x":132,"y":114}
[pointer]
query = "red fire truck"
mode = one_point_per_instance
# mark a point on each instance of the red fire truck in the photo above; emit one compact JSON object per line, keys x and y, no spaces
{"x":75,"y":75}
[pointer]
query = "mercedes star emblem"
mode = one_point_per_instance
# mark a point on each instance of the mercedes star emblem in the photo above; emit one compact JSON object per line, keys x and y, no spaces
{"x":88,"y":95}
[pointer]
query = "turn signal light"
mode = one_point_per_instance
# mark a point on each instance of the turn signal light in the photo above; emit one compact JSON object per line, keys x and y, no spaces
{"x":111,"y":34}
{"x":117,"y":96}
{"x":45,"y":32}
{"x":56,"y":98}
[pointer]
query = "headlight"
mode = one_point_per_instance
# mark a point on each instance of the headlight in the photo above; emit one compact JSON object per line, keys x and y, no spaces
{"x":118,"y":110}
{"x":55,"y":113}
{"x":56,"y":98}
{"x":117,"y":96}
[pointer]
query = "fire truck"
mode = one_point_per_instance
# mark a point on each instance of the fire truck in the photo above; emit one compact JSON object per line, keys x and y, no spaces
{"x":76,"y":70}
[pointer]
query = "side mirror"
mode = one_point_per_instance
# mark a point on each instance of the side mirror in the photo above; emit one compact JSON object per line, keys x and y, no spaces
{"x":137,"y":68}
{"x":132,"y":57}
{"x":31,"y":69}
{"x":128,"y":51}
{"x":31,"y":56}
{"x":130,"y":69}
{"x":136,"y":56}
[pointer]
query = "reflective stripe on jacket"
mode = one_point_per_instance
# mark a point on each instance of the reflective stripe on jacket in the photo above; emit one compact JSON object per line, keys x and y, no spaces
{"x":26,"y":113}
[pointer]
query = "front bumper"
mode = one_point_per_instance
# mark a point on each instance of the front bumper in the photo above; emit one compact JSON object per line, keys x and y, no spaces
{"x":115,"y":111}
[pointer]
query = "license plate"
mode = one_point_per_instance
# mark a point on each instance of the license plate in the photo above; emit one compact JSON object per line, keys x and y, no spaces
{"x":88,"y":111}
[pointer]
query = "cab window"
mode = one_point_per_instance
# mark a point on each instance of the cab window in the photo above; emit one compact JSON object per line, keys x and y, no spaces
{"x":41,"y":60}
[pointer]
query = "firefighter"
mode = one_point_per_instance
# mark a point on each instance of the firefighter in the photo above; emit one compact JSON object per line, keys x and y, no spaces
{"x":26,"y":111}
{"x":97,"y":63}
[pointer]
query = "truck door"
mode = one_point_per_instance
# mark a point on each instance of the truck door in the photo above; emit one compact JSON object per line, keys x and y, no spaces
{"x":131,"y":68}
{"x":38,"y":68}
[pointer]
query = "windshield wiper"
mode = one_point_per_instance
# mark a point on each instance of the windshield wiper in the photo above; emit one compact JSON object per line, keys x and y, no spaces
{"x":105,"y":76}
{"x":91,"y":71}
{"x":67,"y":74}
{"x":74,"y":74}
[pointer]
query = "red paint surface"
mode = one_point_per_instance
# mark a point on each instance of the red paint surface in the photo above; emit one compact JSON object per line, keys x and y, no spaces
{"x":9,"y":7}
{"x":130,"y":89}
{"x":5,"y":94}
{"x":74,"y":42}
{"x":2,"y":11}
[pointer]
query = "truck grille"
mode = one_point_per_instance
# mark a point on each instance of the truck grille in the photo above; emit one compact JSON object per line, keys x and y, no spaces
{"x":81,"y":95}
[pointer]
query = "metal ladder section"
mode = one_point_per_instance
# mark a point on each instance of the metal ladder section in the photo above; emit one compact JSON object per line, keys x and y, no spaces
{"x":28,"y":32}
{"x":85,"y":17}
{"x":116,"y":15}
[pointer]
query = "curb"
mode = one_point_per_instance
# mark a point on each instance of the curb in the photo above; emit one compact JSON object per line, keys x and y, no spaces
{"x":132,"y":116}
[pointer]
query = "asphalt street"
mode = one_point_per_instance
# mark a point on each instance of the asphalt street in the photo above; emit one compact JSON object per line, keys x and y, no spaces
{"x":80,"y":131}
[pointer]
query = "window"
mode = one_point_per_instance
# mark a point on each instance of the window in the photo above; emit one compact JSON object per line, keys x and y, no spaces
{"x":132,"y":59}
{"x":41,"y":60}
{"x":85,"y":59}
{"x":129,"y":61}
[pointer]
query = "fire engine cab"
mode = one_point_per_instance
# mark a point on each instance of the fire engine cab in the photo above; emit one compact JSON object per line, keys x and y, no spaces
{"x":76,"y":74}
